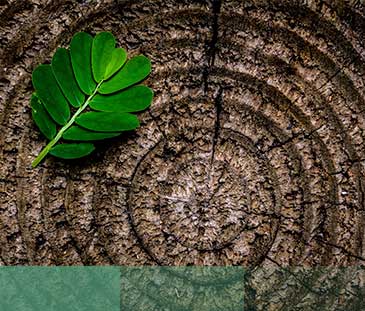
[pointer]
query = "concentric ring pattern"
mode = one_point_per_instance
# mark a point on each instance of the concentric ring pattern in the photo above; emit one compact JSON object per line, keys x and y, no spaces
{"x":252,"y":153}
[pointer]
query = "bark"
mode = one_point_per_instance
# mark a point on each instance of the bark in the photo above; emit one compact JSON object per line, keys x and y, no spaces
{"x":252,"y":152}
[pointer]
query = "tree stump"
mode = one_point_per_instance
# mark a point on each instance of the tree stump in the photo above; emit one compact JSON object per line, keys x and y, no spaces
{"x":252,"y":153}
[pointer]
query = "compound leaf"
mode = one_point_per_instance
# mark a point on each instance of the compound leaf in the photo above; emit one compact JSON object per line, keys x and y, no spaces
{"x":136,"y":98}
{"x":92,"y":74}
{"x":108,"y":121}
{"x":134,"y":71}
{"x":42,"y":118}
{"x":79,"y":133}
{"x":72,"y":151}
{"x":50,"y":94}
{"x":80,"y":50}
{"x":62,"y":70}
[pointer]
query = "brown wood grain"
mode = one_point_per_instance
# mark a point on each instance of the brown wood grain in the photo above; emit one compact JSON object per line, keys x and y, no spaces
{"x":252,"y":152}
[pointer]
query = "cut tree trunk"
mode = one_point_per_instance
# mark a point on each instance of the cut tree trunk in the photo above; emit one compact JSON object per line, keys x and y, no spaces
{"x":252,"y":152}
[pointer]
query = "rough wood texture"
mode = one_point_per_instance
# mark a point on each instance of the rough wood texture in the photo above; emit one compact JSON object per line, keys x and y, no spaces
{"x":252,"y":153}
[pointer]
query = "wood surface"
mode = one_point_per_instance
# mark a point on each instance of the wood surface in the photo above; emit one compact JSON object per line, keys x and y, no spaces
{"x":252,"y":153}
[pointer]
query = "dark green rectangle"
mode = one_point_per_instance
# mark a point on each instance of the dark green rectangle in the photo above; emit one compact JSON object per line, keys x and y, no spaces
{"x":182,"y":288}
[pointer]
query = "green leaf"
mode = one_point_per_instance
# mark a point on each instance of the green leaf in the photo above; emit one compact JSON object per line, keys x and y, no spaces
{"x":108,"y":121}
{"x":96,"y":68}
{"x":119,"y":56}
{"x":42,"y":118}
{"x":50,"y":94}
{"x":79,"y":133}
{"x":134,"y":71}
{"x":80,"y":50}
{"x":136,"y":98}
{"x":62,"y":70}
{"x":102,"y":50}
{"x":72,"y":151}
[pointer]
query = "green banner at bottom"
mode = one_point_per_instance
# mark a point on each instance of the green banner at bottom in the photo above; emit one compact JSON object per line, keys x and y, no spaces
{"x":190,"y":288}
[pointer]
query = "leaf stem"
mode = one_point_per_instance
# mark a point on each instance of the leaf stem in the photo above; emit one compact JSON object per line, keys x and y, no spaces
{"x":55,"y":140}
